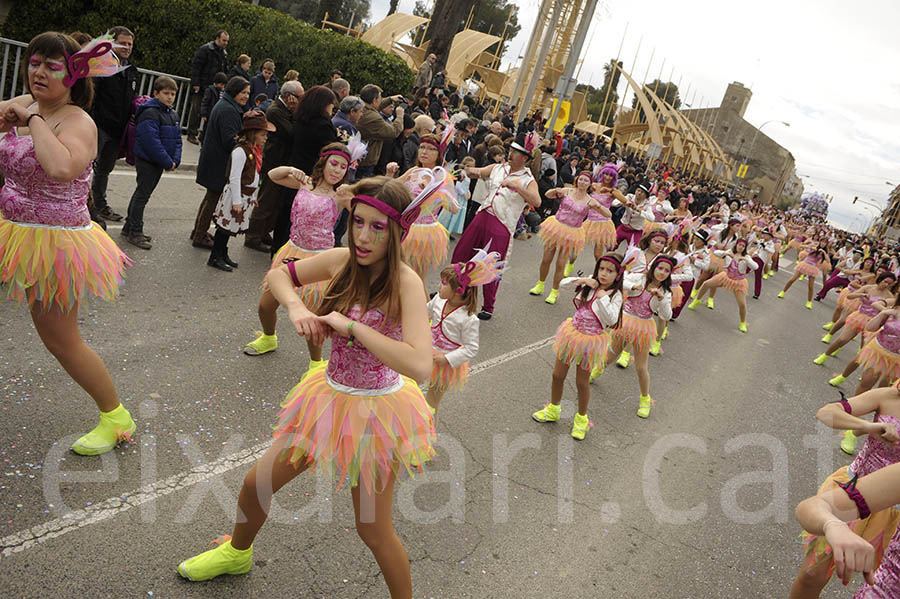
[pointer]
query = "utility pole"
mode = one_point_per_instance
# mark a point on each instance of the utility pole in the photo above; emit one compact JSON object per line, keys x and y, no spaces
{"x":565,"y":87}
{"x":530,"y":49}
{"x":539,"y":64}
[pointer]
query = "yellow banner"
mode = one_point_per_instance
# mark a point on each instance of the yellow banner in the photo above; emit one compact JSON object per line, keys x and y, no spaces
{"x":562,"y":117}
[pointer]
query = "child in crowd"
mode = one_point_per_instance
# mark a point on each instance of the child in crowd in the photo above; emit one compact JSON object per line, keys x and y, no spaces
{"x":455,"y":222}
{"x":157,"y":147}
{"x":210,"y":97}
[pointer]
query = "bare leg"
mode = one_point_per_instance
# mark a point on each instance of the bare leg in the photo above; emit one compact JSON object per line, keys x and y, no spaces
{"x":660,"y":326}
{"x":268,"y":312}
{"x":266,"y":477}
{"x":615,"y":348}
{"x":375,"y":526}
{"x":433,"y":397}
{"x":560,"y":371}
{"x":59,"y":332}
{"x":790,"y":282}
{"x":809,"y":583}
{"x":850,"y":368}
{"x":544,"y":270}
{"x":869,"y":378}
{"x":844,"y":338}
{"x":811,"y":288}
{"x":561,"y":260}
{"x":583,"y":384}
{"x":742,"y":305}
{"x":598,"y":251}
{"x":641,"y":365}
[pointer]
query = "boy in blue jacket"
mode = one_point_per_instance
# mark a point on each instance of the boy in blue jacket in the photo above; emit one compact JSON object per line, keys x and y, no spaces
{"x":157,"y":147}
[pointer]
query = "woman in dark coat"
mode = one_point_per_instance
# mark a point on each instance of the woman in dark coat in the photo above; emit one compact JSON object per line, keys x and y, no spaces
{"x":221,"y":128}
{"x":313,"y":130}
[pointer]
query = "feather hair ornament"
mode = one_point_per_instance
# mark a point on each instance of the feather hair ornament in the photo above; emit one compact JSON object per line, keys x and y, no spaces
{"x":632,"y":255}
{"x":449,"y":130}
{"x":357,"y":149}
{"x":95,"y":59}
{"x":483,"y":268}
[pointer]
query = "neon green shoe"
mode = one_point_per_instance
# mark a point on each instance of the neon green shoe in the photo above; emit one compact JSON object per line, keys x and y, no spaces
{"x":827,"y":326}
{"x":569,"y":269}
{"x":694,"y":293}
{"x":537,"y":289}
{"x":781,"y":295}
{"x":665,"y":333}
{"x":313,"y":364}
{"x":802,"y":278}
{"x":765,"y":276}
{"x":655,"y":348}
{"x":115,"y":426}
{"x":580,"y":426}
{"x":644,"y":402}
{"x":548,"y":413}
{"x":820,"y":359}
{"x":624,"y":359}
{"x":694,"y":305}
{"x":848,"y":443}
{"x":837,"y":381}
{"x":808,"y":305}
{"x":710,"y":303}
{"x":596,"y":371}
{"x":742,"y":327}
{"x":263,"y":344}
{"x":551,"y":298}
{"x":826,"y":338}
{"x":223,"y":559}
{"x":835,"y":352}
{"x":771,"y":273}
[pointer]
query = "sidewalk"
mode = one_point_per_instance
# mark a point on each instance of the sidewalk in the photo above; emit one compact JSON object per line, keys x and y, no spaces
{"x":190,"y":156}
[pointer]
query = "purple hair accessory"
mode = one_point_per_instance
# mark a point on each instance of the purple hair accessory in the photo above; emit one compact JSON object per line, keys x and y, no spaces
{"x":79,"y":63}
{"x":666,"y":259}
{"x":463,"y":272}
{"x":388,"y":211}
{"x":340,"y":153}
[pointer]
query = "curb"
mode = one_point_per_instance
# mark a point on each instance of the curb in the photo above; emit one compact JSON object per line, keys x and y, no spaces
{"x":183,"y":167}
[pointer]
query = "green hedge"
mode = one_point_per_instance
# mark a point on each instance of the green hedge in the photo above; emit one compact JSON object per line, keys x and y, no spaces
{"x":167,"y":32}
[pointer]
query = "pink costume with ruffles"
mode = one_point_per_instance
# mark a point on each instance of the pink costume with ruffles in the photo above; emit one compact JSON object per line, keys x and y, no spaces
{"x":50,"y":251}
{"x":809,"y":266}
{"x":313,"y":217}
{"x":582,"y":339}
{"x":356,"y":417}
{"x":444,"y":376}
{"x":427,"y":242}
{"x":879,"y":528}
{"x":598,"y":229}
{"x":564,"y":231}
{"x":637,"y":327}
{"x":858,"y":320}
{"x":882,"y":354}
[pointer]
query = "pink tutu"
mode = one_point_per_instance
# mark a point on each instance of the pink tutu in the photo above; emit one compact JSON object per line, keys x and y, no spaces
{"x":639,"y":332}
{"x":446,"y":378}
{"x":737,"y":286}
{"x":857,"y":322}
{"x":600,"y":232}
{"x":805,"y":268}
{"x":566,"y":239}
{"x":847,"y":304}
{"x":586,"y":351}
{"x":874,"y":357}
{"x":425,"y":246}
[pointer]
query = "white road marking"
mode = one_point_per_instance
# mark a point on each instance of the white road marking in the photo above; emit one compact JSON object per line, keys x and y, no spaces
{"x":132,"y":173}
{"x":112,"y":507}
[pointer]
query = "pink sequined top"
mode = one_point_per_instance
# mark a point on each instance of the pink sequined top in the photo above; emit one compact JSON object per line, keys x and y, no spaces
{"x":29,"y":196}
{"x":606,"y":200}
{"x":887,"y":576}
{"x":734,"y":271}
{"x":874,"y":454}
{"x":570,"y":212}
{"x":639,"y":305}
{"x":354,"y":366}
{"x":813,"y":258}
{"x":312,"y":221}
{"x":889,"y":335}
{"x":585,"y":320}
{"x":439,"y":339}
{"x":865,"y":305}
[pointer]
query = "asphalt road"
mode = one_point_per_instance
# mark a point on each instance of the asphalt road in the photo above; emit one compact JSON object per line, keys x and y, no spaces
{"x":696,"y":502}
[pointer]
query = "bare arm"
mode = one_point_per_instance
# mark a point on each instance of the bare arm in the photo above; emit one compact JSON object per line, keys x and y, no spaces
{"x":483,"y":172}
{"x":65,"y":156}
{"x":288,"y":176}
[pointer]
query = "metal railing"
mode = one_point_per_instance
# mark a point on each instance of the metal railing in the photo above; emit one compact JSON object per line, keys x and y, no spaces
{"x":13,"y":84}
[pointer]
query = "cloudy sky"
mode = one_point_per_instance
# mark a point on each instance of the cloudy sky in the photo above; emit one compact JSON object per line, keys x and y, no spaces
{"x":829,"y":69}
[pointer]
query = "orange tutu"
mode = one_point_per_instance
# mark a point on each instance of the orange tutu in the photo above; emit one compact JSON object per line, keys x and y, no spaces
{"x":804,"y":268}
{"x":600,"y":232}
{"x":362,"y":438}
{"x":311,"y":295}
{"x":425,"y":246}
{"x":446,"y":378}
{"x":857,"y":322}
{"x":884,"y":362}
{"x":59,"y":266}
{"x":586,"y":351}
{"x":737,"y":286}
{"x":877,"y":529}
{"x":566,"y":239}
{"x":639,"y":332}
{"x":847,"y":304}
{"x":650,"y":225}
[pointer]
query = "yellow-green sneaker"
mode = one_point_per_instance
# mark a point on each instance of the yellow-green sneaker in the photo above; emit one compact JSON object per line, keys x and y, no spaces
{"x":115,"y":426}
{"x":655,"y":348}
{"x":765,"y":276}
{"x":710,"y":303}
{"x":596,"y":371}
{"x":837,"y":381}
{"x":827,"y":326}
{"x":569,"y":269}
{"x":624,"y":359}
{"x":781,"y":294}
{"x":742,"y":327}
{"x":223,"y":559}
{"x":552,"y":296}
{"x":820,"y":359}
{"x":313,"y":364}
{"x":694,"y":293}
{"x":644,"y":404}
{"x":263,"y":344}
{"x":848,"y":443}
{"x":694,"y":305}
{"x":808,"y":305}
{"x":537,"y":289}
{"x":835,"y":352}
{"x":826,"y":338}
{"x":802,"y":278}
{"x":548,"y":413}
{"x":665,"y":333}
{"x":580,"y":426}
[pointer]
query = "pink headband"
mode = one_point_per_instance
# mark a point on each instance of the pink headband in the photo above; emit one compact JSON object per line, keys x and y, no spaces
{"x":430,"y":142}
{"x":666,"y":259}
{"x":404,"y":220}
{"x":462,"y":275}
{"x":340,"y":153}
{"x":615,"y":261}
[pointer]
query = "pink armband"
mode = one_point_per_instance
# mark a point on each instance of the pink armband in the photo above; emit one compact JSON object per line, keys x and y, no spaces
{"x":853,"y":493}
{"x":292,"y":270}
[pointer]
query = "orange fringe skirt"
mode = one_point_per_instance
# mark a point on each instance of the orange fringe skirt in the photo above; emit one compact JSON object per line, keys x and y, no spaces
{"x":600,"y":232}
{"x":874,"y":357}
{"x":568,"y":240}
{"x":586,"y":351}
{"x":639,"y":332}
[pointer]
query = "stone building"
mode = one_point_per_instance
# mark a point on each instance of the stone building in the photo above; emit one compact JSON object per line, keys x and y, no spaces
{"x":770,"y":173}
{"x":888,"y":226}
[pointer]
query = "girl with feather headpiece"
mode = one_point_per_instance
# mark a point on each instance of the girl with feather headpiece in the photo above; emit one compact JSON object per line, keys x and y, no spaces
{"x":454,"y":324}
{"x":316,"y":208}
{"x":563,"y":234}
{"x":584,"y":339}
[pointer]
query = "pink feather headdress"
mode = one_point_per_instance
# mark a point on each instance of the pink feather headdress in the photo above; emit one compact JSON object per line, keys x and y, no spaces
{"x":483,"y":268}
{"x":93,"y":60}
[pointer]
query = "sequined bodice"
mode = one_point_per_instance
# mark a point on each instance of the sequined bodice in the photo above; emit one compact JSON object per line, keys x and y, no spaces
{"x":584,"y":320}
{"x":571,"y":212}
{"x":438,"y":338}
{"x":865,"y":305}
{"x":813,"y":259}
{"x":889,"y":335}
{"x":312,"y":220}
{"x":606,"y":200}
{"x":30,"y":196}
{"x":874,"y":454}
{"x":734,"y":271}
{"x":354,"y":365}
{"x":639,"y":305}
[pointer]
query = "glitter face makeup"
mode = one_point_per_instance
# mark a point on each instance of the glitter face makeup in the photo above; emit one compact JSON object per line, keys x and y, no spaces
{"x":335,"y":169}
{"x":57,"y":67}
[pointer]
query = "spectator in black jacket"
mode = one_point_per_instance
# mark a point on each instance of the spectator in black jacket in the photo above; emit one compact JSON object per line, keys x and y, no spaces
{"x":264,"y":82}
{"x":241,"y":68}
{"x":209,"y":59}
{"x":111,"y":110}
{"x":210,"y":97}
{"x":422,"y":124}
